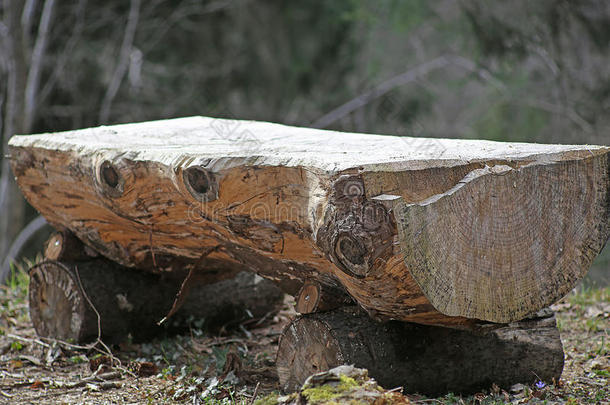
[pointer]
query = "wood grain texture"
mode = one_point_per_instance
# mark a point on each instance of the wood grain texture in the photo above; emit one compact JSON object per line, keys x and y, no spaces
{"x":432,"y":231}
{"x":421,"y":359}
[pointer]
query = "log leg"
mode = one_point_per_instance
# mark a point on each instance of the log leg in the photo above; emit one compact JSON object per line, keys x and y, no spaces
{"x":131,"y":301}
{"x":424,"y":359}
{"x":64,"y":246}
{"x":313,"y":297}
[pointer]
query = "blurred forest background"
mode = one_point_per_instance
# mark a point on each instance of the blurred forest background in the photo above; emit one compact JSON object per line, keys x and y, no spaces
{"x":520,"y":70}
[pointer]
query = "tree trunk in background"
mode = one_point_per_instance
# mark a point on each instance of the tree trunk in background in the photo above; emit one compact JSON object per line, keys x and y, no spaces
{"x":12,"y":204}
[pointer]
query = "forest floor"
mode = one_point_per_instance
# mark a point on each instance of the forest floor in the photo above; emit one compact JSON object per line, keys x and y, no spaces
{"x":237,"y":366}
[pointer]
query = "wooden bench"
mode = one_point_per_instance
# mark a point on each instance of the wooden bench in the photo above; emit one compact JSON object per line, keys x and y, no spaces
{"x":451,"y":233}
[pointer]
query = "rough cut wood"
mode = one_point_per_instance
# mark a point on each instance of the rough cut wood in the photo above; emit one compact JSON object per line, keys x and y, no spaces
{"x":424,"y":359}
{"x":313,"y":297}
{"x":130,"y":301}
{"x":64,"y":246}
{"x":425,"y":230}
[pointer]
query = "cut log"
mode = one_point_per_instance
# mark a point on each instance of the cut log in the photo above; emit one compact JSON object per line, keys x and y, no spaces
{"x":432,"y":231}
{"x":422,"y":359}
{"x":313,"y":297}
{"x":133,"y":302}
{"x":64,"y":246}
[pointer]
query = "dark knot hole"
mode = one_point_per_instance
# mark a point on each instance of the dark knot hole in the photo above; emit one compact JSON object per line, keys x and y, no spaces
{"x":352,"y":250}
{"x":197,"y":179}
{"x":109,"y":175}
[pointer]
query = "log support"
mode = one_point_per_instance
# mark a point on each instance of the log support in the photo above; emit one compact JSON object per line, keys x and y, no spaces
{"x":314,"y":297}
{"x":421,"y":359}
{"x":63,"y":245}
{"x":66,"y":297}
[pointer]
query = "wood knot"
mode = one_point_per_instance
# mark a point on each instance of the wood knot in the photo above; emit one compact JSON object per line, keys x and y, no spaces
{"x":110,"y":175}
{"x":352,"y":253}
{"x":357,"y":231}
{"x":200,"y":183}
{"x":110,"y":179}
{"x":348,"y":190}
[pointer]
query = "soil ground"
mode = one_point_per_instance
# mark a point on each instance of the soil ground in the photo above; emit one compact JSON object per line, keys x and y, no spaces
{"x":233,"y":366}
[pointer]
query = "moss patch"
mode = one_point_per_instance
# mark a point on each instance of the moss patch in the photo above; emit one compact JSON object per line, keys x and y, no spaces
{"x":328,"y":392}
{"x":271,"y":399}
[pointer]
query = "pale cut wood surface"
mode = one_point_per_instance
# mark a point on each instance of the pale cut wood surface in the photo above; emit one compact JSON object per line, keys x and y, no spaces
{"x":425,"y":230}
{"x":214,"y":141}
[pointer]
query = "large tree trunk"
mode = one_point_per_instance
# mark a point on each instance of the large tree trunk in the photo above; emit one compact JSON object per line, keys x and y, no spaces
{"x":424,"y":230}
{"x":423,"y":359}
{"x":133,"y":302}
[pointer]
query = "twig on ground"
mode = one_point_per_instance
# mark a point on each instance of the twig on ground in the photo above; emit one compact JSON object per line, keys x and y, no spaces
{"x":255,"y":393}
{"x":29,"y":340}
{"x":104,"y":377}
{"x":150,"y":244}
{"x":107,"y":350}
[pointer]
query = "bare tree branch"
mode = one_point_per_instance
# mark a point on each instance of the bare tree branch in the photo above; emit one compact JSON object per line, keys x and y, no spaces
{"x":379,"y":90}
{"x":2,"y":147}
{"x":400,"y":80}
{"x":65,"y":55}
{"x":26,"y":20}
{"x":12,"y":205}
{"x":123,"y":61}
{"x":33,"y":82}
{"x":562,"y":110}
{"x":184,"y":11}
{"x":15,"y":66}
{"x":20,"y":241}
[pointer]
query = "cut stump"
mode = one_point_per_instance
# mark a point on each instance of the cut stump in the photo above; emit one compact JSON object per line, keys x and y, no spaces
{"x":421,"y":359}
{"x":64,"y":246}
{"x":133,"y":302}
{"x":433,"y":231}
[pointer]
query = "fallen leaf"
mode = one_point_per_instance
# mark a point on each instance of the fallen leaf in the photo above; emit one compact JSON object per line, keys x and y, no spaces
{"x":14,"y":364}
{"x":232,"y":363}
{"x":104,"y":361}
{"x":37,"y":385}
{"x":143,"y":368}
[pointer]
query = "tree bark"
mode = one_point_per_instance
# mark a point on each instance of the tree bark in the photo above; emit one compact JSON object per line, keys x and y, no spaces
{"x":421,"y":359}
{"x":422,"y":230}
{"x":133,"y":302}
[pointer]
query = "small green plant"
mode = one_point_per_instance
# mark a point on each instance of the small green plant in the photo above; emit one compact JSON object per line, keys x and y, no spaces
{"x":16,"y":346}
{"x":589,"y":295}
{"x":77,"y":359}
{"x":18,"y":280}
{"x":602,"y":373}
{"x":220,"y":355}
{"x":593,"y":325}
{"x":603,"y":350}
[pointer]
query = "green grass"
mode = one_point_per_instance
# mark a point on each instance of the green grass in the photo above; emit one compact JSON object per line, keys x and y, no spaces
{"x":589,"y":295}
